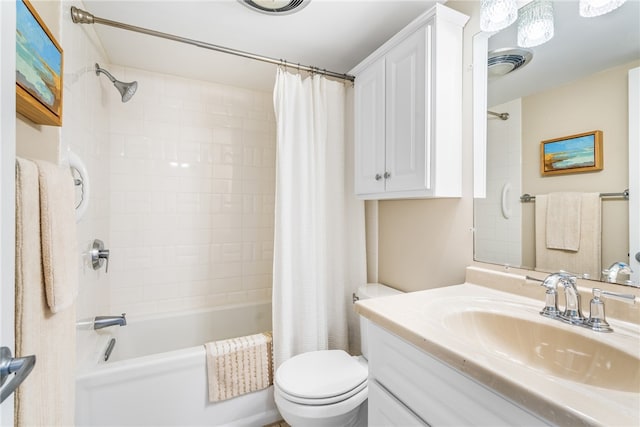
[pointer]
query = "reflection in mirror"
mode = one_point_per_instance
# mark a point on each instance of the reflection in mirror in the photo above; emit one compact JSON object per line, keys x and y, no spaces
{"x":575,"y":83}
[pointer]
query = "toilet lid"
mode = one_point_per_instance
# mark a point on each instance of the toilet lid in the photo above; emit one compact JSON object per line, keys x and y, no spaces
{"x":320,"y":374}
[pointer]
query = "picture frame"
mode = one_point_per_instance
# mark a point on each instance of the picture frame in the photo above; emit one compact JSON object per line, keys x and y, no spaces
{"x":572,"y":154}
{"x":39,"y":68}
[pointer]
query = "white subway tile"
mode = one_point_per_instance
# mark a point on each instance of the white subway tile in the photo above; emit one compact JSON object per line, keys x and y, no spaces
{"x":262,"y":281}
{"x":226,"y":221}
{"x":227,"y":136}
{"x":257,"y":295}
{"x":252,"y":268}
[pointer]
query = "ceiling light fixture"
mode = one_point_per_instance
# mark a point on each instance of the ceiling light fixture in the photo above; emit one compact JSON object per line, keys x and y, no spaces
{"x":535,"y":25}
{"x":497,"y":14}
{"x":591,"y":8}
{"x":504,"y":61}
{"x":275,"y":7}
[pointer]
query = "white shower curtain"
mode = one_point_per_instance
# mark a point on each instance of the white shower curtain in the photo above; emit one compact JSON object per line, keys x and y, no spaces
{"x":319,"y":252}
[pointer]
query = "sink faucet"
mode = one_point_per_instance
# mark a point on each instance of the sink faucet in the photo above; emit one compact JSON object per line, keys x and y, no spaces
{"x":611,"y":273}
{"x":106,"y":321}
{"x":572,"y":311}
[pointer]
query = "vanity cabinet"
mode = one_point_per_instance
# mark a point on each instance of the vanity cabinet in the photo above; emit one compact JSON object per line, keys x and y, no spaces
{"x":409,"y":387}
{"x":407,"y":111}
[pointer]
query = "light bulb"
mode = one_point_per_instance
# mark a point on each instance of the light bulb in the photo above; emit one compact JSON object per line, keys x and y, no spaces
{"x":497,"y":14}
{"x":591,"y":8}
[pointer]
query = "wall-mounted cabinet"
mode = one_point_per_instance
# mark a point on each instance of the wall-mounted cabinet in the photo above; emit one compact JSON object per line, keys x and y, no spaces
{"x":408,"y":100}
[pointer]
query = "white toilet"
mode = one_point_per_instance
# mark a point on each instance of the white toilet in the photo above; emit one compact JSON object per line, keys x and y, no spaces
{"x":328,"y":387}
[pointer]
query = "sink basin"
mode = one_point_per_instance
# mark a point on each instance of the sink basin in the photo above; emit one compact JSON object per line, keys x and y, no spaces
{"x":549,"y":347}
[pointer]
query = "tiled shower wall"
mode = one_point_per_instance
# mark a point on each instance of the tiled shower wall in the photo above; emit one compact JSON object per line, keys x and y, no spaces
{"x":498,"y":239}
{"x":192,"y":195}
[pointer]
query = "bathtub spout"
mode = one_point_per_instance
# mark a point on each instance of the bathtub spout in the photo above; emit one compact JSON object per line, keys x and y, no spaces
{"x":106,"y":321}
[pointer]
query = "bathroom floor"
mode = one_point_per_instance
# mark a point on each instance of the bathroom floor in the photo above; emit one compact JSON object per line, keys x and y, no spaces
{"x":280,"y":423}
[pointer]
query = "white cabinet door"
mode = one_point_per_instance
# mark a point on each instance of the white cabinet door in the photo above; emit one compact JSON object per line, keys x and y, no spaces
{"x":432,"y":390}
{"x":405,"y":124}
{"x":385,"y":410}
{"x":369,"y":104}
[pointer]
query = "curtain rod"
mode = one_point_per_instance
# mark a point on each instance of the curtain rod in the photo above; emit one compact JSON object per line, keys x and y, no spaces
{"x":80,"y":16}
{"x":501,"y":116}
{"x":625,"y":195}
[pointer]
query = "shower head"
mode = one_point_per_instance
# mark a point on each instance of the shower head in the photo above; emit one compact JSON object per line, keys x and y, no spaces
{"x":126,"y":89}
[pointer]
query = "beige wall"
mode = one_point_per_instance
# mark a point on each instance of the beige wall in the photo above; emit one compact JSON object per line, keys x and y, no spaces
{"x":597,"y":102}
{"x":428,"y":243}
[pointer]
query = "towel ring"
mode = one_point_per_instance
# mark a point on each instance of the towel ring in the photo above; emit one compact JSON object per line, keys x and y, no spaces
{"x":82,"y":182}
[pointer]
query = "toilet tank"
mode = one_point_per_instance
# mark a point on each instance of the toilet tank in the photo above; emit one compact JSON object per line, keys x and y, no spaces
{"x":371,"y":290}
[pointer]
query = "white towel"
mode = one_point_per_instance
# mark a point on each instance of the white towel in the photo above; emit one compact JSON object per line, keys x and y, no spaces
{"x":239,"y":365}
{"x":47,"y":395}
{"x":563,"y":221}
{"x":60,"y":258}
{"x":588,"y":258}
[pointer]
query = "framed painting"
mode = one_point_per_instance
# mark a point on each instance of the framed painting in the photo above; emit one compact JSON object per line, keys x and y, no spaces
{"x":38,"y":68}
{"x":571,"y":154}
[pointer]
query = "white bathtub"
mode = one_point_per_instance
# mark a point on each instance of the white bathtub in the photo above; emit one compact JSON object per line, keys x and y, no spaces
{"x":156,"y":374}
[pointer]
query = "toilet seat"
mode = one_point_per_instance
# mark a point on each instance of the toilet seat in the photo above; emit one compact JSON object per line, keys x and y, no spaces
{"x":320,"y":378}
{"x":323,"y":401}
{"x":317,"y":412}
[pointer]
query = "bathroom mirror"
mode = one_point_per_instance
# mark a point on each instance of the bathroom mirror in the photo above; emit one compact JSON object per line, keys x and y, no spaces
{"x":575,"y":83}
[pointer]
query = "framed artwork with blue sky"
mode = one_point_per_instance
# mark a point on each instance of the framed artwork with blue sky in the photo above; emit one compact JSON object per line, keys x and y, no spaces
{"x":39,"y":63}
{"x":572,"y":154}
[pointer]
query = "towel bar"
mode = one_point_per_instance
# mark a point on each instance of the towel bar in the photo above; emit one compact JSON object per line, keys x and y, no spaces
{"x":526,"y":197}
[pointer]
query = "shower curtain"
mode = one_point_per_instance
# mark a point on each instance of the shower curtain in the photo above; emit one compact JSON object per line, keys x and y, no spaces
{"x":319,"y":248}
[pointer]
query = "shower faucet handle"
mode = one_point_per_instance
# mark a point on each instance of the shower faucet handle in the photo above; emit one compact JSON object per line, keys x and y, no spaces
{"x":99,"y":255}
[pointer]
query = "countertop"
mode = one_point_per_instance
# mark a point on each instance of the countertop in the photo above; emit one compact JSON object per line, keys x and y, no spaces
{"x":417,"y":317}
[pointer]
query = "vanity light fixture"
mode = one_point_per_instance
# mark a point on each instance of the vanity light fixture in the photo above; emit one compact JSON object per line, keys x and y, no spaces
{"x":497,"y":14}
{"x":535,"y":25}
{"x":591,"y":8}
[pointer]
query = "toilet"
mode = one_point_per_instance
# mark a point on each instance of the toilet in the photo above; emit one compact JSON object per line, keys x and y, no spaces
{"x":327,"y":387}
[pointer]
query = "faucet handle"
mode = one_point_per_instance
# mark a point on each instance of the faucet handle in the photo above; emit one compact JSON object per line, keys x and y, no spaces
{"x":628,"y":298}
{"x":550,"y":297}
{"x":597,"y":320}
{"x":99,"y":255}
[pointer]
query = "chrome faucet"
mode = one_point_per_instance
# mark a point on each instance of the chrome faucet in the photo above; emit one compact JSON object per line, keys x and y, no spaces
{"x":611,"y":273}
{"x":105,"y":321}
{"x":572,"y":310}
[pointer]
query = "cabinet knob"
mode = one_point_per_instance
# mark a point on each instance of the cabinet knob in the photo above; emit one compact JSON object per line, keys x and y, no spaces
{"x":378,"y":177}
{"x":387,"y":175}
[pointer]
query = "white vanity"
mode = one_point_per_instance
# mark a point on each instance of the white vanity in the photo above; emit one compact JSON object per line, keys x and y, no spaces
{"x":479,"y":353}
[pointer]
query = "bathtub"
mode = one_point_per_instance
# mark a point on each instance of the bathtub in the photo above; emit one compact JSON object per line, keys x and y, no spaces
{"x":156,"y":374}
